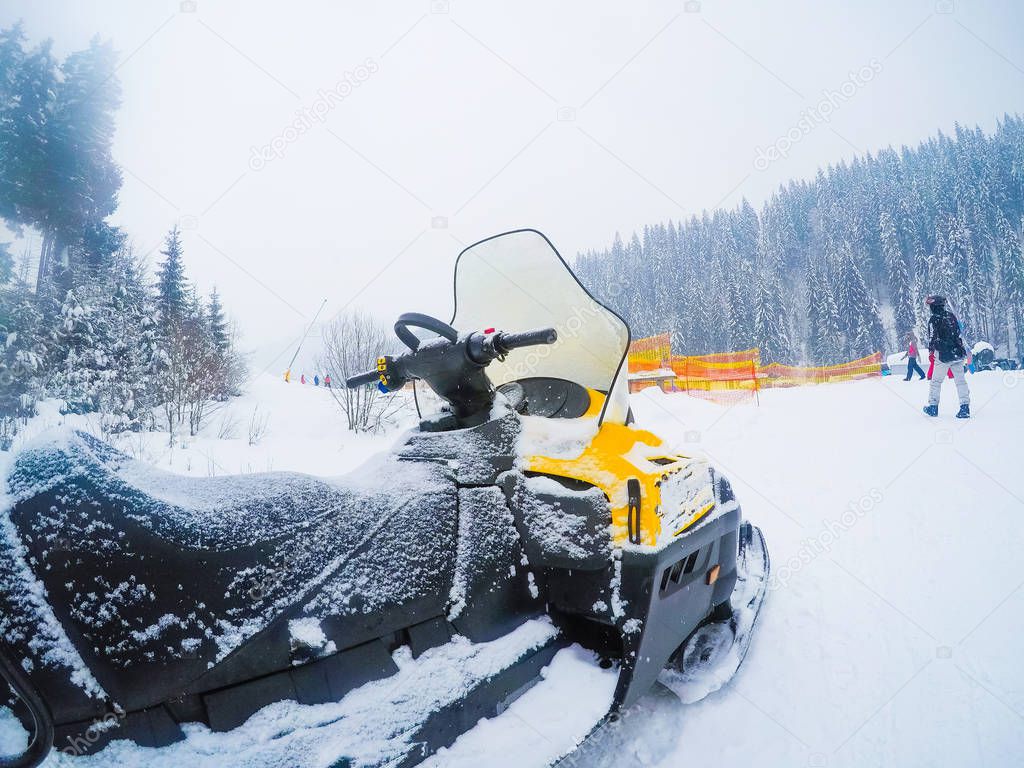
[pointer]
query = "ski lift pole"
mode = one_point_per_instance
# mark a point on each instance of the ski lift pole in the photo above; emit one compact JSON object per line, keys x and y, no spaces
{"x":288,"y":370}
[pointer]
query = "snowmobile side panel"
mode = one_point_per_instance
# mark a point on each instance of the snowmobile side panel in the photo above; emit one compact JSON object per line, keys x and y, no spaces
{"x":668,"y":594}
{"x":319,"y":682}
{"x":429,"y":634}
{"x":443,"y":727}
{"x":563,"y":523}
{"x":230,"y":708}
{"x":153,"y":727}
{"x":492,"y":590}
{"x":714,"y":653}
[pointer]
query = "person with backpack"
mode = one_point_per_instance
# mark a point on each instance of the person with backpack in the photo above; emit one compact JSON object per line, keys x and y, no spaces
{"x":946,"y":344}
{"x":911,"y":357}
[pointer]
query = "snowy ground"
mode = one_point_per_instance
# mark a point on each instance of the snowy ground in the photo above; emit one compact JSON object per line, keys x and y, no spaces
{"x":891,"y":632}
{"x":295,"y":427}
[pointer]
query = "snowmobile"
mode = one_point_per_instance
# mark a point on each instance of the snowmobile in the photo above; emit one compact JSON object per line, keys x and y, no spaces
{"x":526,"y":515}
{"x":983,"y":355}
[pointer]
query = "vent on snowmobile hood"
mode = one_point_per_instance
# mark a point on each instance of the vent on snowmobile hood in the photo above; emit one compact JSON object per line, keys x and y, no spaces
{"x":517,"y":281}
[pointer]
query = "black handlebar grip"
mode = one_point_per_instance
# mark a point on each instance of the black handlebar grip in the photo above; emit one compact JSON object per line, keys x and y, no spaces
{"x":528,"y":338}
{"x":363,"y":378}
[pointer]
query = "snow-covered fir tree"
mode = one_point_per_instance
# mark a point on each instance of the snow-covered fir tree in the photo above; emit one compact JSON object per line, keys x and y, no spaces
{"x":942,"y":217}
{"x":824,"y":343}
{"x":771,"y":334}
{"x":85,"y":325}
{"x":217,"y":323}
{"x":172,"y":288}
{"x":898,"y":279}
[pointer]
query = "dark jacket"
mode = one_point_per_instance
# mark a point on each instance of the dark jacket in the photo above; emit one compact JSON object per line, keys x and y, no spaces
{"x":945,"y":338}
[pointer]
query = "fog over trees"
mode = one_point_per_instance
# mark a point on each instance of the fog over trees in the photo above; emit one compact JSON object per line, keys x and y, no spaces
{"x":838,"y":267}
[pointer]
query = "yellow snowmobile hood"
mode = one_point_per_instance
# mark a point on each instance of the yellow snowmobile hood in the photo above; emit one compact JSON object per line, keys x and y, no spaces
{"x":617,"y":456}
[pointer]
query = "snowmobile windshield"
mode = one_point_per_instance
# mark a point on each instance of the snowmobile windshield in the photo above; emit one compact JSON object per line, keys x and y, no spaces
{"x":516,"y":282}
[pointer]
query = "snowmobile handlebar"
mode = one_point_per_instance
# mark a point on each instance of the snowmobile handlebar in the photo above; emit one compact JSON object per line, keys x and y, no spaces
{"x":427,"y":323}
{"x":510,"y":341}
{"x":361,"y":379}
{"x":452,"y":365}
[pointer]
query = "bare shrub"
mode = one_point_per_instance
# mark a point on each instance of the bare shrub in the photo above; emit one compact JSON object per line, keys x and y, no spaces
{"x":227,"y":429}
{"x":195,"y":376}
{"x":352,"y":342}
{"x":258,"y":426}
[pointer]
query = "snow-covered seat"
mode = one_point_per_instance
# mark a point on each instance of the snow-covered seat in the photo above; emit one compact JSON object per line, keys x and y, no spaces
{"x":159,"y":578}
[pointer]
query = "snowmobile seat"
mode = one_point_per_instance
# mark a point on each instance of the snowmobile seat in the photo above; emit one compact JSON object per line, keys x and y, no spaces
{"x":169,"y":585}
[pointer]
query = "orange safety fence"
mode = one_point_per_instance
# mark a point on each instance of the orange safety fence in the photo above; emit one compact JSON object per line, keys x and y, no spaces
{"x":721,"y":377}
{"x":650,"y":353}
{"x":730,"y":376}
{"x":743,"y":356}
{"x":779,"y":375}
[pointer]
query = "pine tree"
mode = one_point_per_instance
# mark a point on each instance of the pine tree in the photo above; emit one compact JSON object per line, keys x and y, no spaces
{"x":172,"y":287}
{"x":916,"y":221}
{"x":858,"y":311}
{"x":82,"y":360}
{"x":825,"y":346}
{"x":128,"y":395}
{"x":940,"y":264}
{"x":22,"y":354}
{"x":79,"y":142}
{"x":1012,"y":263}
{"x":899,"y":279}
{"x":770,"y":331}
{"x":217,"y":323}
{"x":6,"y":264}
{"x":961,"y":255}
{"x":738,"y":318}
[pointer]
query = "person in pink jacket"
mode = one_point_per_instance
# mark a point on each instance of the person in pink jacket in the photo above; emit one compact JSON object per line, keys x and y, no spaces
{"x":912,"y":356}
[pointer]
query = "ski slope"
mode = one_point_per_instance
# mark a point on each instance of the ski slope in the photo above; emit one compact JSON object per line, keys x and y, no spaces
{"x":891,"y":629}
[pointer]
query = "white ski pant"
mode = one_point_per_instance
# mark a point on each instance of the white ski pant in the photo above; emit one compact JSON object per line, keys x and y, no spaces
{"x":939,"y":376}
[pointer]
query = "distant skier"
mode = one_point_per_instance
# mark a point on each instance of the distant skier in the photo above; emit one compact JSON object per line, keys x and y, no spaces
{"x":911,"y":357}
{"x":327,"y":381}
{"x":287,"y":376}
{"x":945,"y":343}
{"x":302,"y":380}
{"x":316,"y":380}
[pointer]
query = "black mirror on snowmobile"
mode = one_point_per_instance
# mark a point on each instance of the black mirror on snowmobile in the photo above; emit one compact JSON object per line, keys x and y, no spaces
{"x":453,"y":367}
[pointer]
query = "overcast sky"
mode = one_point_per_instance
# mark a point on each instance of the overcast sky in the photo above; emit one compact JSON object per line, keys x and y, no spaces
{"x":430,"y":125}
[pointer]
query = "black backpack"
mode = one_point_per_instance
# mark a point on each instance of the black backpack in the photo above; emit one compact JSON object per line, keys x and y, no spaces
{"x":946,"y":339}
